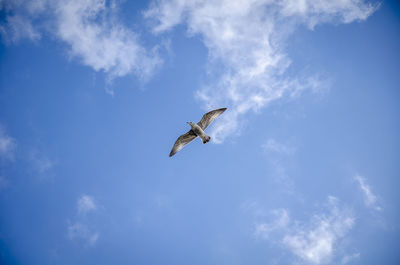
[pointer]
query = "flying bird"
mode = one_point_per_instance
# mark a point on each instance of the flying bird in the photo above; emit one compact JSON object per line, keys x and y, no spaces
{"x":196,"y":130}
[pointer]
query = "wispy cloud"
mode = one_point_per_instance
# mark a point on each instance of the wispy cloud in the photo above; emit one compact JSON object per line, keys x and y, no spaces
{"x":82,"y":229}
{"x":7,"y":145}
{"x":17,"y":27}
{"x":94,"y":34}
{"x":246,"y":40}
{"x":280,"y":220}
{"x":313,"y":12}
{"x":349,"y":258}
{"x":82,"y":232}
{"x":276,"y":147}
{"x":86,"y":204}
{"x":19,"y":17}
{"x":370,"y":199}
{"x":314,"y":242}
{"x":41,"y":164}
{"x":90,"y":29}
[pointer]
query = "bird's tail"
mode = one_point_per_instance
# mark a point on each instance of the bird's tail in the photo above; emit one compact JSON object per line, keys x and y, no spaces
{"x":206,"y":139}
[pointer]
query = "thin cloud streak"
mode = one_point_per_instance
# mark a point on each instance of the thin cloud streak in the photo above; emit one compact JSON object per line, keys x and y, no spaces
{"x":245,"y":41}
{"x":370,"y":198}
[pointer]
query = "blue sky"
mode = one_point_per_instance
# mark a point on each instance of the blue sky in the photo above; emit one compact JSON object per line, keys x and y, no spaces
{"x":302,"y":168}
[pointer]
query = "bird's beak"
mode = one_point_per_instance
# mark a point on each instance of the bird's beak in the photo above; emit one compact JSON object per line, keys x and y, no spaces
{"x":187,"y":122}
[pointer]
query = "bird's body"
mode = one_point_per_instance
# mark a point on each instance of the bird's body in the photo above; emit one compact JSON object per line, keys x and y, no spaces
{"x":196,"y":130}
{"x":199,"y":132}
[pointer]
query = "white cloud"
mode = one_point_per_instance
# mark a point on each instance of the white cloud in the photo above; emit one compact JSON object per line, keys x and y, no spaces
{"x":314,"y":242}
{"x":7,"y":151}
{"x":94,"y":35}
{"x":370,"y":199}
{"x":280,"y":220}
{"x":313,"y":12}
{"x":91,"y":30}
{"x":20,"y":16}
{"x":17,"y":27}
{"x":86,"y":204}
{"x":82,"y":232}
{"x":82,"y":228}
{"x":7,"y":145}
{"x":246,"y":41}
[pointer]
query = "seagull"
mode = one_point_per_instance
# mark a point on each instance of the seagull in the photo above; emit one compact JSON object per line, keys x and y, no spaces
{"x":196,"y":130}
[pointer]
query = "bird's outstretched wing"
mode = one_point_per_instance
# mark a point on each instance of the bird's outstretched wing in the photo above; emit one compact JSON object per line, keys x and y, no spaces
{"x":209,"y":117}
{"x":183,"y":140}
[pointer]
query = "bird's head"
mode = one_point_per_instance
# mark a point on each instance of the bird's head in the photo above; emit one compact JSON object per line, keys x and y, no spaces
{"x":190,"y":123}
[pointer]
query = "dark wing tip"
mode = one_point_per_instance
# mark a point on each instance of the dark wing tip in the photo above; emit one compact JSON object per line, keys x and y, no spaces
{"x":220,"y":109}
{"x":172,"y":153}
